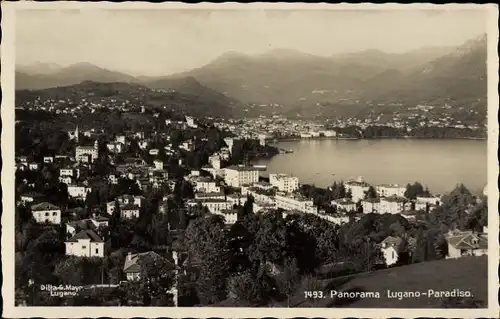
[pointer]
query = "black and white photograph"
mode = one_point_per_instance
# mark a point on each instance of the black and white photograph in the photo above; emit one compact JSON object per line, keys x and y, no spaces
{"x":292,"y":159}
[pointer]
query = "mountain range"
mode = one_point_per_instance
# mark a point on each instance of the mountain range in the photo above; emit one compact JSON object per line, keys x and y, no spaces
{"x":301,"y":81}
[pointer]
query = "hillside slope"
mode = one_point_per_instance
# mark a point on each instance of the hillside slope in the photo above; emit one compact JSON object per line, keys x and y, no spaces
{"x":117,"y":93}
{"x":466,"y":274}
{"x":74,"y":74}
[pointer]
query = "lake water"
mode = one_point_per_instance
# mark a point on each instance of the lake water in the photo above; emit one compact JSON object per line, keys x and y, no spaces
{"x":438,"y":164}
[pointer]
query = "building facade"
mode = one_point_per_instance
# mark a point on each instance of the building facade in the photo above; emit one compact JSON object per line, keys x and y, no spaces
{"x":46,"y":213}
{"x":357,"y":189}
{"x":236,"y":176}
{"x":284,"y":182}
{"x":389,"y":190}
{"x":85,"y":244}
{"x":295,"y":202}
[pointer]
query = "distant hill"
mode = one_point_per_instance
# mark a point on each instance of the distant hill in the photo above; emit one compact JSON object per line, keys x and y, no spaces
{"x":403,"y":62}
{"x":189,"y":86}
{"x":286,"y":81}
{"x":39,"y":78}
{"x":459,"y":77}
{"x":301,"y":81}
{"x":39,"y":68}
{"x":281,"y":76}
{"x":190,"y":103}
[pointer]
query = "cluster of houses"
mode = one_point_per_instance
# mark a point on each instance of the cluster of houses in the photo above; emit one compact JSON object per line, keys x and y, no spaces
{"x":85,"y":237}
{"x":390,"y":199}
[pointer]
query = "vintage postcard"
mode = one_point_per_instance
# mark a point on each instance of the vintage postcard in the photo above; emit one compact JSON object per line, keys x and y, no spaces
{"x":249,"y":160}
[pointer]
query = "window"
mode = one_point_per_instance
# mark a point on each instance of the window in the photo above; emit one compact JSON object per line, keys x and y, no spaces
{"x":97,"y":250}
{"x":393,"y":256}
{"x":54,"y":213}
{"x":47,"y":214}
{"x":84,"y":247}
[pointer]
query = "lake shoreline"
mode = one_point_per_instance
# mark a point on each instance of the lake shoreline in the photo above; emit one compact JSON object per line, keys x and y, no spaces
{"x":291,"y":139}
{"x":441,"y":164}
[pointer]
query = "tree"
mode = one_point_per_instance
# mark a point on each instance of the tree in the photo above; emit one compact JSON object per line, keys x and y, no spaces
{"x":289,"y":278}
{"x":156,"y":280}
{"x":455,"y":208}
{"x":79,"y":271}
{"x":269,"y":244}
{"x":246,"y":289}
{"x":414,"y":190}
{"x":371,"y":193}
{"x":206,"y":239}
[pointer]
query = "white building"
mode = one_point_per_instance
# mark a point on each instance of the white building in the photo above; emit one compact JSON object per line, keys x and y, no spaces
{"x":113,"y":179}
{"x":214,"y":206}
{"x":30,"y":197}
{"x":344,"y":204}
{"x":154,"y":151}
{"x":236,"y":176}
{"x":83,"y":151}
{"x":143,"y":144}
{"x":388,"y":190}
{"x":190,"y":122}
{"x":236,"y":199}
{"x":46,"y":213}
{"x":132,"y":267}
{"x":85,"y":244}
{"x":284,"y":182}
{"x":357,"y":189}
{"x":48,"y":159}
{"x":206,"y":185}
{"x":66,"y":172}
{"x":295,"y":202}
{"x":466,"y":243}
{"x":129,"y":211}
{"x":392,"y":205}
{"x":370,"y":206}
{"x":187,"y":146}
{"x":90,"y":223}
{"x":115,"y":147}
{"x":229,"y":142}
{"x":230,"y":216}
{"x":259,"y":194}
{"x":121,"y":139}
{"x":78,"y":191}
{"x":216,"y":195}
{"x":261,"y":206}
{"x":329,"y":133}
{"x":391,"y":247}
{"x":124,"y":200}
{"x":214,"y":160}
{"x":334,"y":219}
{"x":431,"y":200}
{"x":110,"y":207}
{"x":158,"y":164}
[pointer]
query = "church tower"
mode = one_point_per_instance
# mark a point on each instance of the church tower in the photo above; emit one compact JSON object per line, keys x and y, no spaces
{"x":77,"y":133}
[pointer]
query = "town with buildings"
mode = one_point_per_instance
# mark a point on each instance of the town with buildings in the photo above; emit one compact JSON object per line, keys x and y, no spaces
{"x":104,"y":180}
{"x":149,"y":173}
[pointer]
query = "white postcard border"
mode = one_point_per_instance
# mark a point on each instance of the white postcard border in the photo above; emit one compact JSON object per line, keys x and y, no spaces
{"x":8,"y":120}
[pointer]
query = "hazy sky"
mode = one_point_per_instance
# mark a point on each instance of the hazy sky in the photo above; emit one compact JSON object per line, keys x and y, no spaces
{"x":159,"y":42}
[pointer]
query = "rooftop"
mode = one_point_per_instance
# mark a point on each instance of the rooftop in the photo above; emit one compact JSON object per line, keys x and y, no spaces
{"x":44,"y":206}
{"x":129,"y":207}
{"x":132,"y":262}
{"x":357,"y":183}
{"x":86,"y":234}
{"x":391,"y":186}
{"x":241,"y":168}
{"x":394,"y":199}
{"x":468,"y":240}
